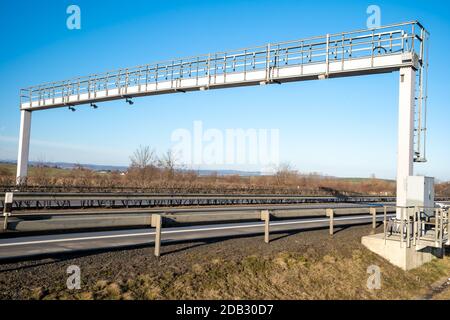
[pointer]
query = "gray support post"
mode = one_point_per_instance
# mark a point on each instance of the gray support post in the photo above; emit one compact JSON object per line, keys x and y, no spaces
{"x":265,"y":216}
{"x":7,"y":209}
{"x":373,"y":212}
{"x":330,"y":214}
{"x":157,"y":223}
{"x":24,"y":147}
{"x":405,"y":148}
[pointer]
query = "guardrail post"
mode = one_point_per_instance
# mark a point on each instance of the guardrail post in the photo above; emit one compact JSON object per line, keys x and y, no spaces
{"x":265,"y":216}
{"x":7,"y":209}
{"x":373,"y":212}
{"x":157,"y":223}
{"x":330,"y":214}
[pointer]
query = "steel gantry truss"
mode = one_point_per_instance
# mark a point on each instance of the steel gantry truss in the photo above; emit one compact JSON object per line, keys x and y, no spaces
{"x":398,"y":47}
{"x":332,"y":55}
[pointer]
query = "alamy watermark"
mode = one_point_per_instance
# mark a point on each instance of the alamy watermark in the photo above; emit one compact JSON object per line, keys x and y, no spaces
{"x":73,"y":21}
{"x":374,"y":280}
{"x":254,"y":147}
{"x":374,"y":19}
{"x":74,"y":280}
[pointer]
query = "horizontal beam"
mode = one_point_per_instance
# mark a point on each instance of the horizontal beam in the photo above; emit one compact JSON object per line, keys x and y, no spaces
{"x":313,"y":71}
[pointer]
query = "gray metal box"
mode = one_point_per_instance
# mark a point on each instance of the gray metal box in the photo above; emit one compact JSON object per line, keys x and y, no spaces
{"x":420,"y":191}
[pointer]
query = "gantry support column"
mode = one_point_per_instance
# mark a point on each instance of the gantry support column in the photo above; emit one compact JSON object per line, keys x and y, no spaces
{"x":405,"y":151}
{"x":24,"y":147}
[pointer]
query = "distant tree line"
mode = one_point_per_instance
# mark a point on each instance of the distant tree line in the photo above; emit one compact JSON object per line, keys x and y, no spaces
{"x":164,"y":173}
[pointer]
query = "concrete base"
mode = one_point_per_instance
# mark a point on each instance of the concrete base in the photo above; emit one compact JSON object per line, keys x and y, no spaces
{"x":404,"y":258}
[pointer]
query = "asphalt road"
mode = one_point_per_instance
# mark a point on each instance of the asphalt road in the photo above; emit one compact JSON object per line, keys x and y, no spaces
{"x":35,"y":246}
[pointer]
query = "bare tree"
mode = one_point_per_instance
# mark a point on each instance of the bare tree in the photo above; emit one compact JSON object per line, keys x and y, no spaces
{"x":168,"y":162}
{"x":285,"y":172}
{"x":41,"y":174}
{"x":143,"y":157}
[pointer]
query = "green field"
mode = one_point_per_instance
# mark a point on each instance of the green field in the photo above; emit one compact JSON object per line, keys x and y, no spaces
{"x":7,"y":169}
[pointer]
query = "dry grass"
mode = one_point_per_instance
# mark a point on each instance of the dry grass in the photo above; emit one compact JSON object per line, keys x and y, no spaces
{"x":444,"y":295}
{"x":285,"y":276}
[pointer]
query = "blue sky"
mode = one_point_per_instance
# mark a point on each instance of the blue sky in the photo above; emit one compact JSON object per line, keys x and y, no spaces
{"x":342,"y":127}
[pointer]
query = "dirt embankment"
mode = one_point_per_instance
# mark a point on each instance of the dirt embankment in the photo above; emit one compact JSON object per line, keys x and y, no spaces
{"x":304,"y":265}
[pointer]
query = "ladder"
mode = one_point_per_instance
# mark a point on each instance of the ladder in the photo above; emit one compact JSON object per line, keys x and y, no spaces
{"x":421,"y":97}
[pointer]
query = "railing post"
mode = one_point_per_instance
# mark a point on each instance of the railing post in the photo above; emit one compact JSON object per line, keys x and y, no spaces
{"x":7,"y":209}
{"x":415,"y":226}
{"x":408,"y":229}
{"x":447,"y":214}
{"x":435,"y":226}
{"x":441,"y":224}
{"x":401,"y":227}
{"x":268,"y":64}
{"x":265,"y":216}
{"x":373,"y":212}
{"x":327,"y":58}
{"x":330,"y":214}
{"x":385,"y":223}
{"x":157,"y":223}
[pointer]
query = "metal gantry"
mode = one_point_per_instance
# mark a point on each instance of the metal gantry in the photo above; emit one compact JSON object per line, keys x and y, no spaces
{"x":331,"y":53}
{"x":398,"y":47}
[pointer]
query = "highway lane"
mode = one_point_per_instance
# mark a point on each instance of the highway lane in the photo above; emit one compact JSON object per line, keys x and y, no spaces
{"x":28,"y":247}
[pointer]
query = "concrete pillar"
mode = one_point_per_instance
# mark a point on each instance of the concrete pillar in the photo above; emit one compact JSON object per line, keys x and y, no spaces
{"x":405,"y":149}
{"x":157,"y":223}
{"x":265,"y":216}
{"x":330,"y":214}
{"x":24,"y":147}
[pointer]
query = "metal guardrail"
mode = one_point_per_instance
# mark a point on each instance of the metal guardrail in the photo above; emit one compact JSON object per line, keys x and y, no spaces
{"x":150,"y":200}
{"x":127,"y":200}
{"x":340,"y":47}
{"x":21,"y":224}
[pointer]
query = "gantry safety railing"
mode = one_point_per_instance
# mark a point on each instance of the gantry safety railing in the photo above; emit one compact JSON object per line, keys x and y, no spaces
{"x":397,"y":38}
{"x":418,"y":226}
